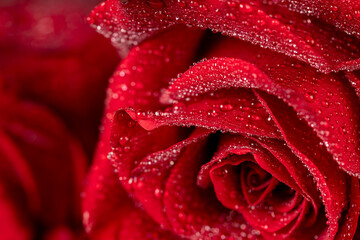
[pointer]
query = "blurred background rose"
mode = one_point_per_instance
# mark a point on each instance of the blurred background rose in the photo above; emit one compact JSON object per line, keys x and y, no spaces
{"x":53,"y":74}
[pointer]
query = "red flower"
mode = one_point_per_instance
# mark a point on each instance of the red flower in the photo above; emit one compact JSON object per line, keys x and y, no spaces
{"x":51,"y":98}
{"x":259,"y":140}
{"x":48,"y":56}
{"x":42,"y":167}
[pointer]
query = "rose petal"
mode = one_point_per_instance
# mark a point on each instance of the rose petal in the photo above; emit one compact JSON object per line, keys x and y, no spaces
{"x":103,"y":196}
{"x":255,"y":196}
{"x":39,"y":136}
{"x":289,"y":91}
{"x":12,"y":225}
{"x":130,"y":86}
{"x":227,"y":189}
{"x":225,"y":110}
{"x":150,"y":176}
{"x":342,"y":14}
{"x":354,"y":79}
{"x":268,"y":25}
{"x":148,"y":68}
{"x":352,"y":217}
{"x":60,"y":66}
{"x":315,"y":157}
{"x":130,"y":144}
{"x":16,"y":172}
{"x":316,"y":97}
{"x":109,"y":213}
{"x":137,"y":219}
{"x":195,"y":212}
{"x":132,"y":224}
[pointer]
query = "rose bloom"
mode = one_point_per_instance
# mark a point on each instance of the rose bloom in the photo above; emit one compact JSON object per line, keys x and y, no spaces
{"x":247,"y":131}
{"x":51,"y":93}
{"x":59,"y":61}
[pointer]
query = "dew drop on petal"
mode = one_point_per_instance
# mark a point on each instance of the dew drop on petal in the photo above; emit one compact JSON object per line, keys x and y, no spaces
{"x":226,"y":107}
{"x":245,"y":8}
{"x":325,"y":103}
{"x":123,"y":140}
{"x":310,"y":97}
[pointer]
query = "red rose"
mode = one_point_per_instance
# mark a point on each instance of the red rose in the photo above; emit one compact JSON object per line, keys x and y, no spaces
{"x":259,"y":140}
{"x":41,"y":172}
{"x":48,"y":56}
{"x":51,"y":99}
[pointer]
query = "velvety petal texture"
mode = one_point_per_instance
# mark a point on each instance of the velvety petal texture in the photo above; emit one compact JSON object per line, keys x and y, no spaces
{"x":129,"y":88}
{"x":48,"y":56}
{"x":248,"y":134}
{"x":41,"y":170}
{"x":52,"y":89}
{"x":267,"y":24}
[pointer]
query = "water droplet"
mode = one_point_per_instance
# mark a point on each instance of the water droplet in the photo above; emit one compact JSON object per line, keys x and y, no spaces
{"x":226,"y":107}
{"x":119,"y":116}
{"x":182,"y":216}
{"x":139,"y":184}
{"x":181,"y":3}
{"x":220,"y":173}
{"x":310,"y":97}
{"x":343,"y":129}
{"x":325,"y":103}
{"x":127,"y":149}
{"x":324,"y":123}
{"x":348,"y":16}
{"x":310,"y":40}
{"x":245,"y":8}
{"x":240,"y":118}
{"x":230,"y":16}
{"x":255,"y":117}
{"x":334,"y":8}
{"x":231,"y":4}
{"x":194,"y":4}
{"x":203,"y":8}
{"x":357,"y":13}
{"x":123,"y":140}
{"x":275,"y":22}
{"x":212,"y":113}
{"x":140,"y":114}
{"x":157,"y":192}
